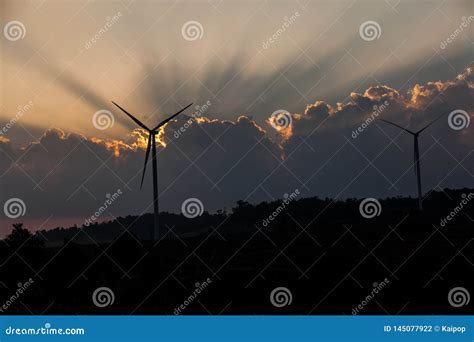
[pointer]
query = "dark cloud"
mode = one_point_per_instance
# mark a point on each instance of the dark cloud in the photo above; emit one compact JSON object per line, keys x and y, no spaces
{"x":69,"y":175}
{"x":341,"y":150}
{"x":345,"y":150}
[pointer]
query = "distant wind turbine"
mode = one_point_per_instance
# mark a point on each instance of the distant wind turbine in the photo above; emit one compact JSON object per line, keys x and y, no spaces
{"x":416,"y":161}
{"x":152,"y":144}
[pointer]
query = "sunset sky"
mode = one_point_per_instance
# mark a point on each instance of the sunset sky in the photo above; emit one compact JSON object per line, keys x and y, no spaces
{"x":249,"y":59}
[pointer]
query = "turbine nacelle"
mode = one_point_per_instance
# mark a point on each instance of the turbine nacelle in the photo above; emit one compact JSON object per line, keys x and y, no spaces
{"x":151,"y":145}
{"x":416,"y":154}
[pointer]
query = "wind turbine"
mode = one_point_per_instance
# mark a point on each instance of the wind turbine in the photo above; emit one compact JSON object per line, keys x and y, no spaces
{"x":152,"y":144}
{"x":416,"y":161}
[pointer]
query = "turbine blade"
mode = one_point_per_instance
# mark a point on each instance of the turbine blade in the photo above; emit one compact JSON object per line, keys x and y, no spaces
{"x":394,"y":124}
{"x":171,"y":117}
{"x":146,"y":159}
{"x":432,"y":122}
{"x":138,"y":122}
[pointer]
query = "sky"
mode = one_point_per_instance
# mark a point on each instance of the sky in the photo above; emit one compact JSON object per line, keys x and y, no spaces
{"x":287,"y":95}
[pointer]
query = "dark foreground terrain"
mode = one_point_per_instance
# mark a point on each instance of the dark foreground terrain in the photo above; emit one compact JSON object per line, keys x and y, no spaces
{"x":330,"y":259}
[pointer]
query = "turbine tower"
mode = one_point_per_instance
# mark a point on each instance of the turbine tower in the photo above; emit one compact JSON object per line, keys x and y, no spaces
{"x":416,"y":160}
{"x":152,"y":144}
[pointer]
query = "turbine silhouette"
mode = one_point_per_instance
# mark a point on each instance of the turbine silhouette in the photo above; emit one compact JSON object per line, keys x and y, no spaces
{"x":152,"y":144}
{"x":416,"y":159}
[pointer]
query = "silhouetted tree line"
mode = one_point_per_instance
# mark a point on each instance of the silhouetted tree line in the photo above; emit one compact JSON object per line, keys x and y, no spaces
{"x":246,"y":258}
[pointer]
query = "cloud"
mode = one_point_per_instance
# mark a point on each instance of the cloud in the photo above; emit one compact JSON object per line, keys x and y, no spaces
{"x":344,"y":150}
{"x":69,"y":175}
{"x":222,"y":161}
